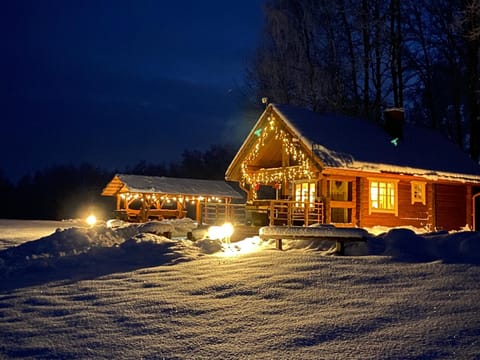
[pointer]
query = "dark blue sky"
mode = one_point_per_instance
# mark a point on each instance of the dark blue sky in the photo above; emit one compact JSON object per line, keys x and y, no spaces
{"x":116,"y":82}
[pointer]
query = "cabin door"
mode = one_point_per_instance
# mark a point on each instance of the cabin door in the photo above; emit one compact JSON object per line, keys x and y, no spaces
{"x":340,"y":193}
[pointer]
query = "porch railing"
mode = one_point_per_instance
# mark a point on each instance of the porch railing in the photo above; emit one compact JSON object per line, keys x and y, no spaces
{"x":283,"y":212}
{"x":273,"y":212}
{"x":288,"y":212}
{"x":215,"y":214}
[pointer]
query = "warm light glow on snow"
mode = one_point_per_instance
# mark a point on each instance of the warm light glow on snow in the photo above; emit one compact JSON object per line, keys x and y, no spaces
{"x":91,"y":220}
{"x":245,"y":246}
{"x":223,"y":232}
{"x":217,"y":293}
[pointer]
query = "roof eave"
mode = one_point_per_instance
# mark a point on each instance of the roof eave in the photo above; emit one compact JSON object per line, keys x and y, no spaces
{"x":428,"y":174}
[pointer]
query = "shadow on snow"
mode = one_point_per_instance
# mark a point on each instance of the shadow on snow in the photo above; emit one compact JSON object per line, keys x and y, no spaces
{"x":18,"y":270}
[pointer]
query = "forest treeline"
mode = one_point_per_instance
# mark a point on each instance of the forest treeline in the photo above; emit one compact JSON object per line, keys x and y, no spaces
{"x":360,"y":56}
{"x":71,"y":191}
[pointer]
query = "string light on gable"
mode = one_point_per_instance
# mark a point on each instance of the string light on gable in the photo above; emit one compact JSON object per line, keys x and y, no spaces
{"x":303,"y":169}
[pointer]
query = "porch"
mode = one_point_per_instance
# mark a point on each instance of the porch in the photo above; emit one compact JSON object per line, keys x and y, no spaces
{"x":274,"y":212}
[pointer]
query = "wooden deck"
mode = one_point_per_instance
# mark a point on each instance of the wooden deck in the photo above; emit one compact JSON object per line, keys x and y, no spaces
{"x":285,"y":212}
{"x":259,"y":213}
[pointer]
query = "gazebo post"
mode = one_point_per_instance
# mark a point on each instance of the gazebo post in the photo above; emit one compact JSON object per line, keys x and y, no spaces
{"x":228,"y":210}
{"x":198,"y":212}
{"x":144,"y":210}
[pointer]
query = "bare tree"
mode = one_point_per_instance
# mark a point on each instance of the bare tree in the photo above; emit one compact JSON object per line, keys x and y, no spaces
{"x":357,"y":57}
{"x":471,"y":23}
{"x":396,"y":52}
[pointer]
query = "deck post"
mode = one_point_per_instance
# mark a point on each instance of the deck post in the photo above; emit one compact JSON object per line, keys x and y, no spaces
{"x":340,"y":247}
{"x":272,"y":214}
{"x":289,"y":214}
{"x":279,"y":244}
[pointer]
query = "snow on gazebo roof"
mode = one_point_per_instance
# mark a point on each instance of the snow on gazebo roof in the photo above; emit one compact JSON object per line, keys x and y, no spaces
{"x":352,"y":143}
{"x":169,"y":186}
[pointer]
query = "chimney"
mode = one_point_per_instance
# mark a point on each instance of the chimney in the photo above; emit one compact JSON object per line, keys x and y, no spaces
{"x":393,"y":122}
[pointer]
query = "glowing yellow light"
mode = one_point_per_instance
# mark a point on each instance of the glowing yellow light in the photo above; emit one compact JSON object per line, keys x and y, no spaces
{"x":223,"y":232}
{"x":91,"y":220}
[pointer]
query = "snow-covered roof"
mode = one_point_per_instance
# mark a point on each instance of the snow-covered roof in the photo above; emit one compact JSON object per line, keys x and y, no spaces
{"x":351,"y":143}
{"x":169,"y":186}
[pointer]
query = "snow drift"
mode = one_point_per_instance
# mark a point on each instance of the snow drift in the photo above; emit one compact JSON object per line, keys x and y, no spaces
{"x":67,"y":295}
{"x":79,"y":251}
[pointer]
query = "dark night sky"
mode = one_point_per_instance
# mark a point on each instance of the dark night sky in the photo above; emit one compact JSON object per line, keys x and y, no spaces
{"x":114,"y":82}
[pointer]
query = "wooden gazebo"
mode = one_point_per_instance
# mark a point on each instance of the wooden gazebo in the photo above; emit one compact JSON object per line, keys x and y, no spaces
{"x":143,"y":198}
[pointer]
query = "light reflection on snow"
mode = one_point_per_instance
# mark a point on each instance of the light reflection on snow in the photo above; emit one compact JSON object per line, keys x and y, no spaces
{"x":246,"y":246}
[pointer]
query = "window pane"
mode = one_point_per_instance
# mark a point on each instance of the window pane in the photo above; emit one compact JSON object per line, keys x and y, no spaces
{"x":304,"y":192}
{"x":374,"y":194}
{"x":382,"y":195}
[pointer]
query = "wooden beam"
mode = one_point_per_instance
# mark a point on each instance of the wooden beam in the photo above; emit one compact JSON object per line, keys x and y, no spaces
{"x":469,"y":203}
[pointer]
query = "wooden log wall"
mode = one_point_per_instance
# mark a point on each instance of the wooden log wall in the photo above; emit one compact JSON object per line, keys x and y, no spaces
{"x":451,"y":206}
{"x":417,"y":214}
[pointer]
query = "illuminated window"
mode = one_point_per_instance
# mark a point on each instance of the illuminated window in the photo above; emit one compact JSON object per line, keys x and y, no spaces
{"x":383,"y":196}
{"x":418,"y":192}
{"x":304,"y":192}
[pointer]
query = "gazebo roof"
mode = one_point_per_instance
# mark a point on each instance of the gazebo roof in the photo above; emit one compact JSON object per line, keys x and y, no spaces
{"x":122,"y":183}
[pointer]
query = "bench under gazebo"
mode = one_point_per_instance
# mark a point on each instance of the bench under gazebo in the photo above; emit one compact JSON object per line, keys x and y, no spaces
{"x":142,"y":198}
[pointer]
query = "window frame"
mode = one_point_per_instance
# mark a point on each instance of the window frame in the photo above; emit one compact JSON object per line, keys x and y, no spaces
{"x":303,"y":197}
{"x":423,"y":193}
{"x":394,"y":188}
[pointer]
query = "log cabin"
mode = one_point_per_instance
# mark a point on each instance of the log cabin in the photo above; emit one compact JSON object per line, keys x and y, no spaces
{"x":299,"y":167}
{"x":143,"y":198}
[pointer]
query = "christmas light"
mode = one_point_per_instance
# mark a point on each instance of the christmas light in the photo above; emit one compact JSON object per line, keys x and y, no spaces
{"x":302,"y":170}
{"x":153,"y":198}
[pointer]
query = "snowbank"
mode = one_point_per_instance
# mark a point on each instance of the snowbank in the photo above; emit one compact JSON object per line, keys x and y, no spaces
{"x":80,"y":251}
{"x":119,"y":246}
{"x":406,"y":245}
{"x":401,"y":244}
{"x":67,"y":295}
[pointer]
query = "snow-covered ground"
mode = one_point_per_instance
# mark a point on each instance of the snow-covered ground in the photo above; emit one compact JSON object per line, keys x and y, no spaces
{"x":68,"y":291}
